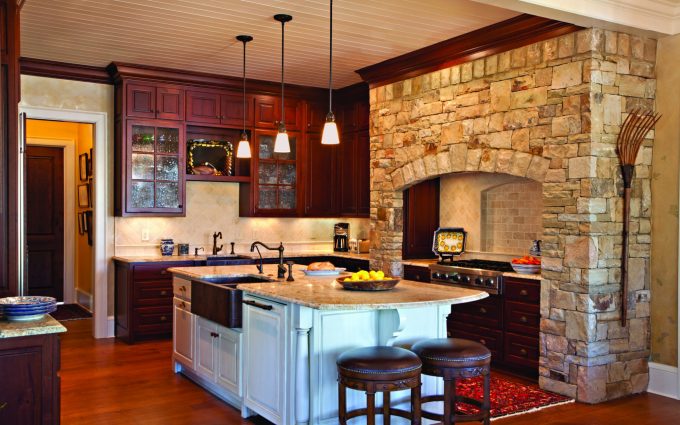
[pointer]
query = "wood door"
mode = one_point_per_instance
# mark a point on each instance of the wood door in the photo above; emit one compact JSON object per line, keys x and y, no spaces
{"x":267,"y":112}
{"x":316,"y":116}
{"x":203,"y":107}
{"x":319,"y":177}
{"x":363,"y":173}
{"x":421,"y":219}
{"x":294,"y":117}
{"x":347,"y":197}
{"x":170,"y":103}
{"x":231,"y":110}
{"x":141,"y":101}
{"x":45,"y":221}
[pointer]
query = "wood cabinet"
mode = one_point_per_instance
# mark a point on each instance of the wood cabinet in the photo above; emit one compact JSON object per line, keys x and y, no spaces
{"x":419,"y":274}
{"x":421,"y":219}
{"x":264,"y":329}
{"x":354,"y":174}
{"x":218,"y":108}
{"x":29,"y":373}
{"x":268,"y":112}
{"x":218,"y":355}
{"x":183,"y":336}
{"x":320,"y":177}
{"x":153,"y":174}
{"x":154,"y":101}
{"x":144,"y":300}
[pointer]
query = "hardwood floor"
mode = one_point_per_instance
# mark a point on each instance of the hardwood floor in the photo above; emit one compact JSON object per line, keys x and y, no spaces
{"x":110,"y":382}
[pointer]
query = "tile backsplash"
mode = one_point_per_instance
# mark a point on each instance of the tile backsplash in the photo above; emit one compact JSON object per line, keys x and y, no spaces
{"x":501,"y":213}
{"x":213,"y":207}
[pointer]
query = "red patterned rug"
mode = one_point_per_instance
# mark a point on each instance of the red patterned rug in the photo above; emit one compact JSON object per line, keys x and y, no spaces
{"x":507,"y":397}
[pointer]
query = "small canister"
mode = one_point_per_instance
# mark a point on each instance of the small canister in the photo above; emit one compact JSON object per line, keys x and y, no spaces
{"x":167,"y":246}
{"x":183,"y":249}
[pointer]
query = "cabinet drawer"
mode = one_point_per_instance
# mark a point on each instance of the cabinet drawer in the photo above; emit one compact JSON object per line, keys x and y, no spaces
{"x":152,"y":293}
{"x":521,"y":350}
{"x":419,"y":274}
{"x":522,"y":318}
{"x":491,"y":339}
{"x":157,"y":271}
{"x":154,"y":319}
{"x":181,"y":288}
{"x":522,"y":290}
{"x":487,"y":312}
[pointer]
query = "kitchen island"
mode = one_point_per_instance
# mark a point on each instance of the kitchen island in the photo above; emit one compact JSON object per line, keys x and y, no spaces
{"x":292,"y":333}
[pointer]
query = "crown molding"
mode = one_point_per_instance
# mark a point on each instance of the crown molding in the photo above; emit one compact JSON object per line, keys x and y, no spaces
{"x":66,"y":71}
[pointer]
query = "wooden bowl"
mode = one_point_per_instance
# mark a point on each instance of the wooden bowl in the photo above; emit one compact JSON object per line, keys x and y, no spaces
{"x":369,"y":285}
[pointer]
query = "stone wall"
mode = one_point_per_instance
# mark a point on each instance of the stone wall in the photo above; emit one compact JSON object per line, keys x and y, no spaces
{"x":550,"y":112}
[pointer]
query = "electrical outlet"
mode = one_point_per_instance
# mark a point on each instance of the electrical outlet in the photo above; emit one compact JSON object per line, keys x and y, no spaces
{"x":145,"y":235}
{"x":643,"y":296}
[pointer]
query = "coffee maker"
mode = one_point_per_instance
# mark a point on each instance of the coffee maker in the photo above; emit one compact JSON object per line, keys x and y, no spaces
{"x":341,"y":237}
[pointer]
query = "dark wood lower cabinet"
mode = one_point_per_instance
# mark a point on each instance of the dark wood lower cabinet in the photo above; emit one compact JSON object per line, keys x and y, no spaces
{"x":507,"y":324}
{"x":29,"y":380}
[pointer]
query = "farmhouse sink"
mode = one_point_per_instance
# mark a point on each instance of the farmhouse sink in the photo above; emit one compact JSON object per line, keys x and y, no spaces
{"x":227,"y":260}
{"x":217,"y":299}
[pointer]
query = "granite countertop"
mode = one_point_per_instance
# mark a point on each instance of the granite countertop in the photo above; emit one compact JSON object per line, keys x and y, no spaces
{"x":46,"y":325}
{"x":324,"y":294}
{"x":251,"y":255}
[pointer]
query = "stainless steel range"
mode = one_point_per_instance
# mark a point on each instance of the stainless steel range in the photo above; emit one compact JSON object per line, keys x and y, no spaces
{"x":479,"y":274}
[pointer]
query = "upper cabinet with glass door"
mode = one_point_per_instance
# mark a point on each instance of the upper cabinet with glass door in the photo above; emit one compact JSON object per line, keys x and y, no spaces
{"x":277,"y":182}
{"x":154,"y":158}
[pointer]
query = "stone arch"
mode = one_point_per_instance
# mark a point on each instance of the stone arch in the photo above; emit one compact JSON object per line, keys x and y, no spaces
{"x":387,"y":195}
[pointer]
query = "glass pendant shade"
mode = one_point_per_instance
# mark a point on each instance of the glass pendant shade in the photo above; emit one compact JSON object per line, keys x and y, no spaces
{"x":330,"y":134}
{"x":243,"y":149}
{"x":282,"y":144}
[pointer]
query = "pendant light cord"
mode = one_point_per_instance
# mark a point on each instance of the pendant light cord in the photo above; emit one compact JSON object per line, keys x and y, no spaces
{"x":244,"y":87}
{"x":283,"y":110}
{"x":330,"y":67}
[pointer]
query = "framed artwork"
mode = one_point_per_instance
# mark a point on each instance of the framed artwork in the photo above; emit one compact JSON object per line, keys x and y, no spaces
{"x":83,"y":166}
{"x":81,"y":223}
{"x":84,"y":195}
{"x":88,"y":225}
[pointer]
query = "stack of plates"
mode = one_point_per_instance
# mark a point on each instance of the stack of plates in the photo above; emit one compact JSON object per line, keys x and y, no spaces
{"x":26,"y":308}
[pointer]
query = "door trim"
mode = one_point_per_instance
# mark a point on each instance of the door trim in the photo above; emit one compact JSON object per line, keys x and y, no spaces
{"x":103,"y":221}
{"x":69,"y":208}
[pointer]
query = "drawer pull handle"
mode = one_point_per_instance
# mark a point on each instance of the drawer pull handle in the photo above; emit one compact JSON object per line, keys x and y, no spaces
{"x":258,"y":305}
{"x":214,"y":335}
{"x":523,"y":292}
{"x":523,"y":352}
{"x":163,"y":318}
{"x":483,"y":341}
{"x":164,"y":292}
{"x":182,"y":288}
{"x":482,"y":310}
{"x":182,"y":305}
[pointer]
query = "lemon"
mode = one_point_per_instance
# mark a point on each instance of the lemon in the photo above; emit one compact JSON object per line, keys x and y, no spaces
{"x":372,"y":274}
{"x":363,"y":275}
{"x":347,"y":279}
{"x":380,"y":275}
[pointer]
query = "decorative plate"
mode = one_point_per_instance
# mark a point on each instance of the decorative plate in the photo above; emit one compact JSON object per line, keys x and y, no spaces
{"x":369,"y":285}
{"x":449,"y":241}
{"x":335,"y":272}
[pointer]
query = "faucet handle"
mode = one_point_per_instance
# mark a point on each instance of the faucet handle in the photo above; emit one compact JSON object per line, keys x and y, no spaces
{"x":198,"y":249}
{"x":232,"y":248}
{"x":290,"y":271}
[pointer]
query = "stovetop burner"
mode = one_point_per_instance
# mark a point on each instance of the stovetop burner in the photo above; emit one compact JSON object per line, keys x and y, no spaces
{"x":499,"y":266}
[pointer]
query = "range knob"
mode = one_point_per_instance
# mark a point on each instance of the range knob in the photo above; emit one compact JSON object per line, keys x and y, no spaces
{"x":465,"y":279}
{"x":436,"y":275}
{"x":479,"y":281}
{"x":445,"y":276}
{"x":455,"y":277}
{"x":489,"y":282}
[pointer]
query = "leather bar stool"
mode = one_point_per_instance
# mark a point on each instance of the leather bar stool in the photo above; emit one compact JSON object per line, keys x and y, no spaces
{"x":452,"y":359}
{"x":379,"y":369}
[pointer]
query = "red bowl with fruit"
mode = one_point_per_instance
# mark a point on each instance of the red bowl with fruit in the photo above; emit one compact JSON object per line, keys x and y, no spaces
{"x":526,"y":265}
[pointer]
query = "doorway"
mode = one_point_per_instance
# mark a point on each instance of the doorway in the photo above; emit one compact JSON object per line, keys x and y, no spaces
{"x":59,"y":210}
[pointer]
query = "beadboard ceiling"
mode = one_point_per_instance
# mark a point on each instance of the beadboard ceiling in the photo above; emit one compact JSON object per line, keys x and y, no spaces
{"x":199,"y":35}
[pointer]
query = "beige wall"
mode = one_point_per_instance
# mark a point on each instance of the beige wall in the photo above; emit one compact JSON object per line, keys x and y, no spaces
{"x":664,"y":284}
{"x":462,"y":204}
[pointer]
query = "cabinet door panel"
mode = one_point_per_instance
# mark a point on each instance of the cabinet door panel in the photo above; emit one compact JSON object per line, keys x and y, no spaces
{"x":362,"y":115}
{"x":228,"y":360}
{"x":231,"y":110}
{"x":141,"y":101}
{"x":320,"y":176}
{"x":347,"y":175}
{"x":363,"y":174}
{"x":169,"y":103}
{"x":183,"y":333}
{"x":203,"y":107}
{"x":421,"y":218}
{"x":205,"y":348}
{"x":293,"y":110}
{"x":316,"y":116}
{"x":266,"y":111}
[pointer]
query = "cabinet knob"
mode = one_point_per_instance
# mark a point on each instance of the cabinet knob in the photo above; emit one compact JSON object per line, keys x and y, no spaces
{"x":214,"y":335}
{"x":164,"y":271}
{"x":482,"y":310}
{"x":180,"y":206}
{"x":523,"y":319}
{"x":482,"y":341}
{"x":164,"y":292}
{"x":163,"y":318}
{"x":523,"y":352}
{"x":183,"y":288}
{"x":523,"y":292}
{"x":182,"y":305}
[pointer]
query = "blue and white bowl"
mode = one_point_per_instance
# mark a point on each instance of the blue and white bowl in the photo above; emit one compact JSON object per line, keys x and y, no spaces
{"x":26,"y":308}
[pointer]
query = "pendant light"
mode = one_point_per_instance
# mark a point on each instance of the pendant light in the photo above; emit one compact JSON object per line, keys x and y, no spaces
{"x":282,"y":144}
{"x":243,"y":150}
{"x":330,"y":129}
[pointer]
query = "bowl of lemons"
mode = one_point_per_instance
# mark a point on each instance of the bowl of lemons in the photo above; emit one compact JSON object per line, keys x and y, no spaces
{"x":373,"y":280}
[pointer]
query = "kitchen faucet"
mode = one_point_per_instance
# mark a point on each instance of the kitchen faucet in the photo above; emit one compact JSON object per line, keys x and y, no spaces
{"x":281,"y":269}
{"x":215,"y":248}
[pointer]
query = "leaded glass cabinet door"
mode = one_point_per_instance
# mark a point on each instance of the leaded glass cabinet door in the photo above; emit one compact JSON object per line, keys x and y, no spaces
{"x":276,"y":175}
{"x":155,"y":168}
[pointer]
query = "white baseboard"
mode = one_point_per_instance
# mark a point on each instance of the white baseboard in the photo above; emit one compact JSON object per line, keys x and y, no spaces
{"x":663,"y":380}
{"x":84,"y":299}
{"x":111,"y":327}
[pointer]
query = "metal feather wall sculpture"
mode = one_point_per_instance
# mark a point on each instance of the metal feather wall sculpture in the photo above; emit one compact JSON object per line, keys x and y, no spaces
{"x":633,"y":131}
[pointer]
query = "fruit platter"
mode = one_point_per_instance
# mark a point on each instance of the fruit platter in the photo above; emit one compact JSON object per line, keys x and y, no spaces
{"x":368,"y":281}
{"x":526,"y":265}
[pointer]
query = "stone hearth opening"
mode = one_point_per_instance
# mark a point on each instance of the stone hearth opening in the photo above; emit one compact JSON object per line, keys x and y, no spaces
{"x":550,"y":112}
